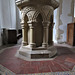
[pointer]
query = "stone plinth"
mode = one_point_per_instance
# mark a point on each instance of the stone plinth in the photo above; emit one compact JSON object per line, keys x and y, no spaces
{"x":37,"y":52}
{"x":37,"y":28}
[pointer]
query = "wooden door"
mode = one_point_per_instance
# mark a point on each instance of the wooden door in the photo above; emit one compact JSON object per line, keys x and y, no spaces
{"x":70,"y":33}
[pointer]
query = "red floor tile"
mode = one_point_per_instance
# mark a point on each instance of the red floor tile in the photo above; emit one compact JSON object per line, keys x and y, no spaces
{"x":64,"y":61}
{"x":70,"y":60}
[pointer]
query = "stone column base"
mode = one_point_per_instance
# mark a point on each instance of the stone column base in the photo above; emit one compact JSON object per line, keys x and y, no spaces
{"x":36,"y":53}
{"x":44,"y":44}
{"x":24,"y":43}
{"x":32,"y":45}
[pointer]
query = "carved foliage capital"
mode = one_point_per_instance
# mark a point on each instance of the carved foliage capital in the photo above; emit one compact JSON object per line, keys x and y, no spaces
{"x":46,"y":23}
{"x":33,"y":12}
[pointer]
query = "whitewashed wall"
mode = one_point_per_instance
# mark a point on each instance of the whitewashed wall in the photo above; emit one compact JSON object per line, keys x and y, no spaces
{"x":63,"y":16}
{"x":8,"y":16}
{"x":56,"y":26}
{"x":74,"y":8}
{"x":13,"y":13}
{"x":18,"y":18}
{"x":0,"y":22}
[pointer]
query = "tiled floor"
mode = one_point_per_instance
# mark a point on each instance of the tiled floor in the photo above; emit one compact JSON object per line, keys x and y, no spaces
{"x":64,"y":61}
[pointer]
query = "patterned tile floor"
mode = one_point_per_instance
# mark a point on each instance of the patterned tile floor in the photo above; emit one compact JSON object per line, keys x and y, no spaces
{"x":63,"y":63}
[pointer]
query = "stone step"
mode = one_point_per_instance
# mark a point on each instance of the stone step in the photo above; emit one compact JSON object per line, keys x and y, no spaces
{"x":38,"y":53}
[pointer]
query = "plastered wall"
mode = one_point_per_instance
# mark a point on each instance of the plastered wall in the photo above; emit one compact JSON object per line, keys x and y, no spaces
{"x":62,"y":16}
{"x":74,"y":8}
{"x":0,"y":23}
{"x":8,"y":16}
{"x":18,"y":18}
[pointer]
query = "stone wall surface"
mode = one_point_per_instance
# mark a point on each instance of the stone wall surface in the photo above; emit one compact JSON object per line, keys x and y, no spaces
{"x":63,"y":16}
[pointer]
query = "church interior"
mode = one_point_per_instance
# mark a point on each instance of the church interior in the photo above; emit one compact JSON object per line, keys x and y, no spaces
{"x":37,"y":37}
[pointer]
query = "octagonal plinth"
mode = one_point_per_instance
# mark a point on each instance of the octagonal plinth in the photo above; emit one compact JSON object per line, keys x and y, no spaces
{"x":36,"y":53}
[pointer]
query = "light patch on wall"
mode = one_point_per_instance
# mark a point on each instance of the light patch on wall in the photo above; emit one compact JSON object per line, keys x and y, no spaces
{"x":58,"y":30}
